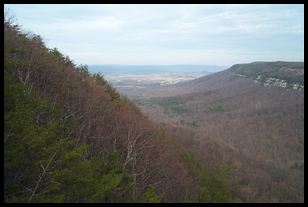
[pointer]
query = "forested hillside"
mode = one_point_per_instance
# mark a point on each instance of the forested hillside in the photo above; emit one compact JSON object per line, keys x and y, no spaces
{"x":70,"y":137}
{"x":255,"y":124}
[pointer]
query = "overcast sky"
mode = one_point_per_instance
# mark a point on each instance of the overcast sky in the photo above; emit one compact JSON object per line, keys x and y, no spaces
{"x":168,"y":34}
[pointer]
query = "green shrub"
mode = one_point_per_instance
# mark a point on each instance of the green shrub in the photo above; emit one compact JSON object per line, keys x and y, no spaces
{"x":212,"y":186}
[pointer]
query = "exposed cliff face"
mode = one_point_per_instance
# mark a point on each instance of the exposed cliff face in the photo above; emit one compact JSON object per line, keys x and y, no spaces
{"x":270,"y":81}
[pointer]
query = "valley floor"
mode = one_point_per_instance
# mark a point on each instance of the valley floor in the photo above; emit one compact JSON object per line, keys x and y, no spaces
{"x":251,"y":120}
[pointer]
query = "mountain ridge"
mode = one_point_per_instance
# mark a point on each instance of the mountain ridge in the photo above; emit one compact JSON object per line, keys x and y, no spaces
{"x":264,"y":122}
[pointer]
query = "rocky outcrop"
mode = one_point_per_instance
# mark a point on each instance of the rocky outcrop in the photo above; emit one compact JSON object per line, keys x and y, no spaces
{"x":270,"y":81}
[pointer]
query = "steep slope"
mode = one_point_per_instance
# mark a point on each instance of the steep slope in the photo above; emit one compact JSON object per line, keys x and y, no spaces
{"x":70,"y":137}
{"x":263,"y":118}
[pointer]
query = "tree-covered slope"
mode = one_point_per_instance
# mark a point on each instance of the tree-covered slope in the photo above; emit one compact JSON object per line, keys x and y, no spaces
{"x":263,"y":121}
{"x":70,"y":137}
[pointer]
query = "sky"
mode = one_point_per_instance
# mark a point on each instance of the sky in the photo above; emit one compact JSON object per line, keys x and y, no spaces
{"x":167,"y":34}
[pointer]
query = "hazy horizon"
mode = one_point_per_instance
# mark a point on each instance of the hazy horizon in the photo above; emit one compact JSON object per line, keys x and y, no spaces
{"x":118,"y":69}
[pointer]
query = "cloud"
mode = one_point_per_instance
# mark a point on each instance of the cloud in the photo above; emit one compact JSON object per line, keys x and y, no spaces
{"x":168,"y":33}
{"x":97,"y":24}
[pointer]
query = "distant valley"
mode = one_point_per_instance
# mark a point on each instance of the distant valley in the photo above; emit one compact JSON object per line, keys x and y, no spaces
{"x":255,"y":109}
{"x":131,"y":80}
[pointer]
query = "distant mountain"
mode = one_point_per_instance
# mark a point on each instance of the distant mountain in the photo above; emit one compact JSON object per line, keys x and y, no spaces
{"x":288,"y":75}
{"x":291,"y":72}
{"x":152,"y":69}
{"x":256,"y":109}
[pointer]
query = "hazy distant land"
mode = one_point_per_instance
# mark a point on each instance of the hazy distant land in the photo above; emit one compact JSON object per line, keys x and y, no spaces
{"x":154,"y":75}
